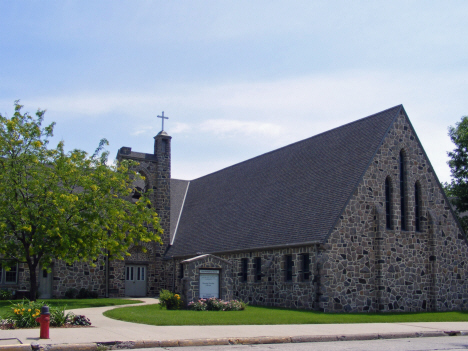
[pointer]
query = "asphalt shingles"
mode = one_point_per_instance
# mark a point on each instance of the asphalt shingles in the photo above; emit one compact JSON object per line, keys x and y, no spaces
{"x":291,"y":195}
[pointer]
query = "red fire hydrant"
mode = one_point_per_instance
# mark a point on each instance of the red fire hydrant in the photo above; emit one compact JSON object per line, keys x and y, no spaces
{"x":44,"y":321}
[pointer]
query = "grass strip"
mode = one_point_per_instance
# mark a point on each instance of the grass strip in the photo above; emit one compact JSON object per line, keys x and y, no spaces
{"x":73,"y":303}
{"x":255,"y":315}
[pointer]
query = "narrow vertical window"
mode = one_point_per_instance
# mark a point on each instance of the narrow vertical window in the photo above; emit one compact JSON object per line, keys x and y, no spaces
{"x":417,"y":207}
{"x":388,"y":204}
{"x":245,"y":267}
{"x":181,"y":270}
{"x":163,"y":146}
{"x":305,"y":267}
{"x":258,"y":269}
{"x":289,"y":266}
{"x":402,"y":191}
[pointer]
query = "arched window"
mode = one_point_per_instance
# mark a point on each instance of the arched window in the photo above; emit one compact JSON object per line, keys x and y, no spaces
{"x":417,"y":207}
{"x":402,"y":191}
{"x":388,"y":203}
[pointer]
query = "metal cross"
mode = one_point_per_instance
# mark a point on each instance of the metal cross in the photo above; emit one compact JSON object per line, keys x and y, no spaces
{"x":163,"y":118}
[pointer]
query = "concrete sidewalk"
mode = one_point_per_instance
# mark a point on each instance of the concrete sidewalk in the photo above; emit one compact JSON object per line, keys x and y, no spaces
{"x":109,"y":331}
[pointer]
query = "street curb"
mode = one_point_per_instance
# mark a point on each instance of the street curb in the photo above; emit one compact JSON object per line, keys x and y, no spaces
{"x":141,"y":344}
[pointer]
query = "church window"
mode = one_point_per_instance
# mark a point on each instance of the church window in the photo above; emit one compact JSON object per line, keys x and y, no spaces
{"x":402,"y":191}
{"x":388,"y":204}
{"x":258,"y":269}
{"x":9,"y":277}
{"x":417,"y":207}
{"x":181,"y":270}
{"x":245,"y":269}
{"x":305,"y":267}
{"x":163,"y":146}
{"x":289,"y":268}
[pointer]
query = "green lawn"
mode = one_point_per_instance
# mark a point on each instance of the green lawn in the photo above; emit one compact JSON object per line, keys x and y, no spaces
{"x":74,"y":303}
{"x":263,"y":315}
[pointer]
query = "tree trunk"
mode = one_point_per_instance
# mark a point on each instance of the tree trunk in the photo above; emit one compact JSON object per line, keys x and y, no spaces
{"x":32,"y":282}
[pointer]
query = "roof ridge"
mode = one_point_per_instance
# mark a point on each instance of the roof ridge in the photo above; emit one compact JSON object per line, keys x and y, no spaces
{"x":298,"y":142}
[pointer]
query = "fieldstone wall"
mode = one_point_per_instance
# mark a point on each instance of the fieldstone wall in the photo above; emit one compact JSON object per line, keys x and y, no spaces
{"x":78,"y":275}
{"x":271,"y":290}
{"x":189,"y":281}
{"x":367,"y":267}
{"x":22,"y":282}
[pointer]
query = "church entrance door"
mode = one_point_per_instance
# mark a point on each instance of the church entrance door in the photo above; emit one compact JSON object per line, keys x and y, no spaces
{"x":135,"y":280}
{"x":45,"y":284}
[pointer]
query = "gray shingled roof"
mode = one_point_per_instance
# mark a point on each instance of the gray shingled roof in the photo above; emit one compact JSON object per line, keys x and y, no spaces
{"x":178,"y":191}
{"x":291,"y":195}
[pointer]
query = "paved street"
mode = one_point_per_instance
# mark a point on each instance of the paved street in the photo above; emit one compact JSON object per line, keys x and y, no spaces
{"x":416,"y":344}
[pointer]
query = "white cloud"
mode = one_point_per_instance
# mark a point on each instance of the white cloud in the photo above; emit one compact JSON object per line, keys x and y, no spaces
{"x":179,"y":128}
{"x":294,"y":108}
{"x":224,"y":127}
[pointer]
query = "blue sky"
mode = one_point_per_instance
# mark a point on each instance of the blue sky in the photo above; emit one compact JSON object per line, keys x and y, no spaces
{"x":236,"y":78}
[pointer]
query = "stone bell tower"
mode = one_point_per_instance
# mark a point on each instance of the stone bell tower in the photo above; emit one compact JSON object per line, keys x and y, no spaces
{"x":156,"y":169}
{"x":162,"y":190}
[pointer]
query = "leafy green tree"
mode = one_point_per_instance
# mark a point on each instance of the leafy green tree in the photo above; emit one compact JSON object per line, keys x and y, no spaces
{"x":64,"y":205}
{"x":457,"y":190}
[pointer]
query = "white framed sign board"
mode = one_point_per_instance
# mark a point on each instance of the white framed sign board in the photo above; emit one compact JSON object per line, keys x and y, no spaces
{"x":209,"y":283}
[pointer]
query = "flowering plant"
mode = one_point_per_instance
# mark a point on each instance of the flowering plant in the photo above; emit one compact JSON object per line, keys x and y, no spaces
{"x":214,"y":304}
{"x":23,"y":315}
{"x":170,"y":300}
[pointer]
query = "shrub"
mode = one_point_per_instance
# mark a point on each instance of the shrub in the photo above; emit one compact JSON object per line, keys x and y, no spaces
{"x":71,"y":293}
{"x":86,"y":294}
{"x":199,"y":305}
{"x":170,"y":300}
{"x":5,"y":294}
{"x":214,"y":304}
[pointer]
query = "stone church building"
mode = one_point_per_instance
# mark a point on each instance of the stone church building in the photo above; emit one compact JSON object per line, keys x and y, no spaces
{"x":353,"y":219}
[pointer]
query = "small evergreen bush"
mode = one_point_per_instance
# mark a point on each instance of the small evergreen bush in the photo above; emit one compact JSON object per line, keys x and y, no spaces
{"x":5,"y":294}
{"x":86,"y":294}
{"x":71,"y":293}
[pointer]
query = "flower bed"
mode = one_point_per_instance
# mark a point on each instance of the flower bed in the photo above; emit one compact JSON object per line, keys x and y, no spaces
{"x":23,"y":315}
{"x":214,"y":304}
